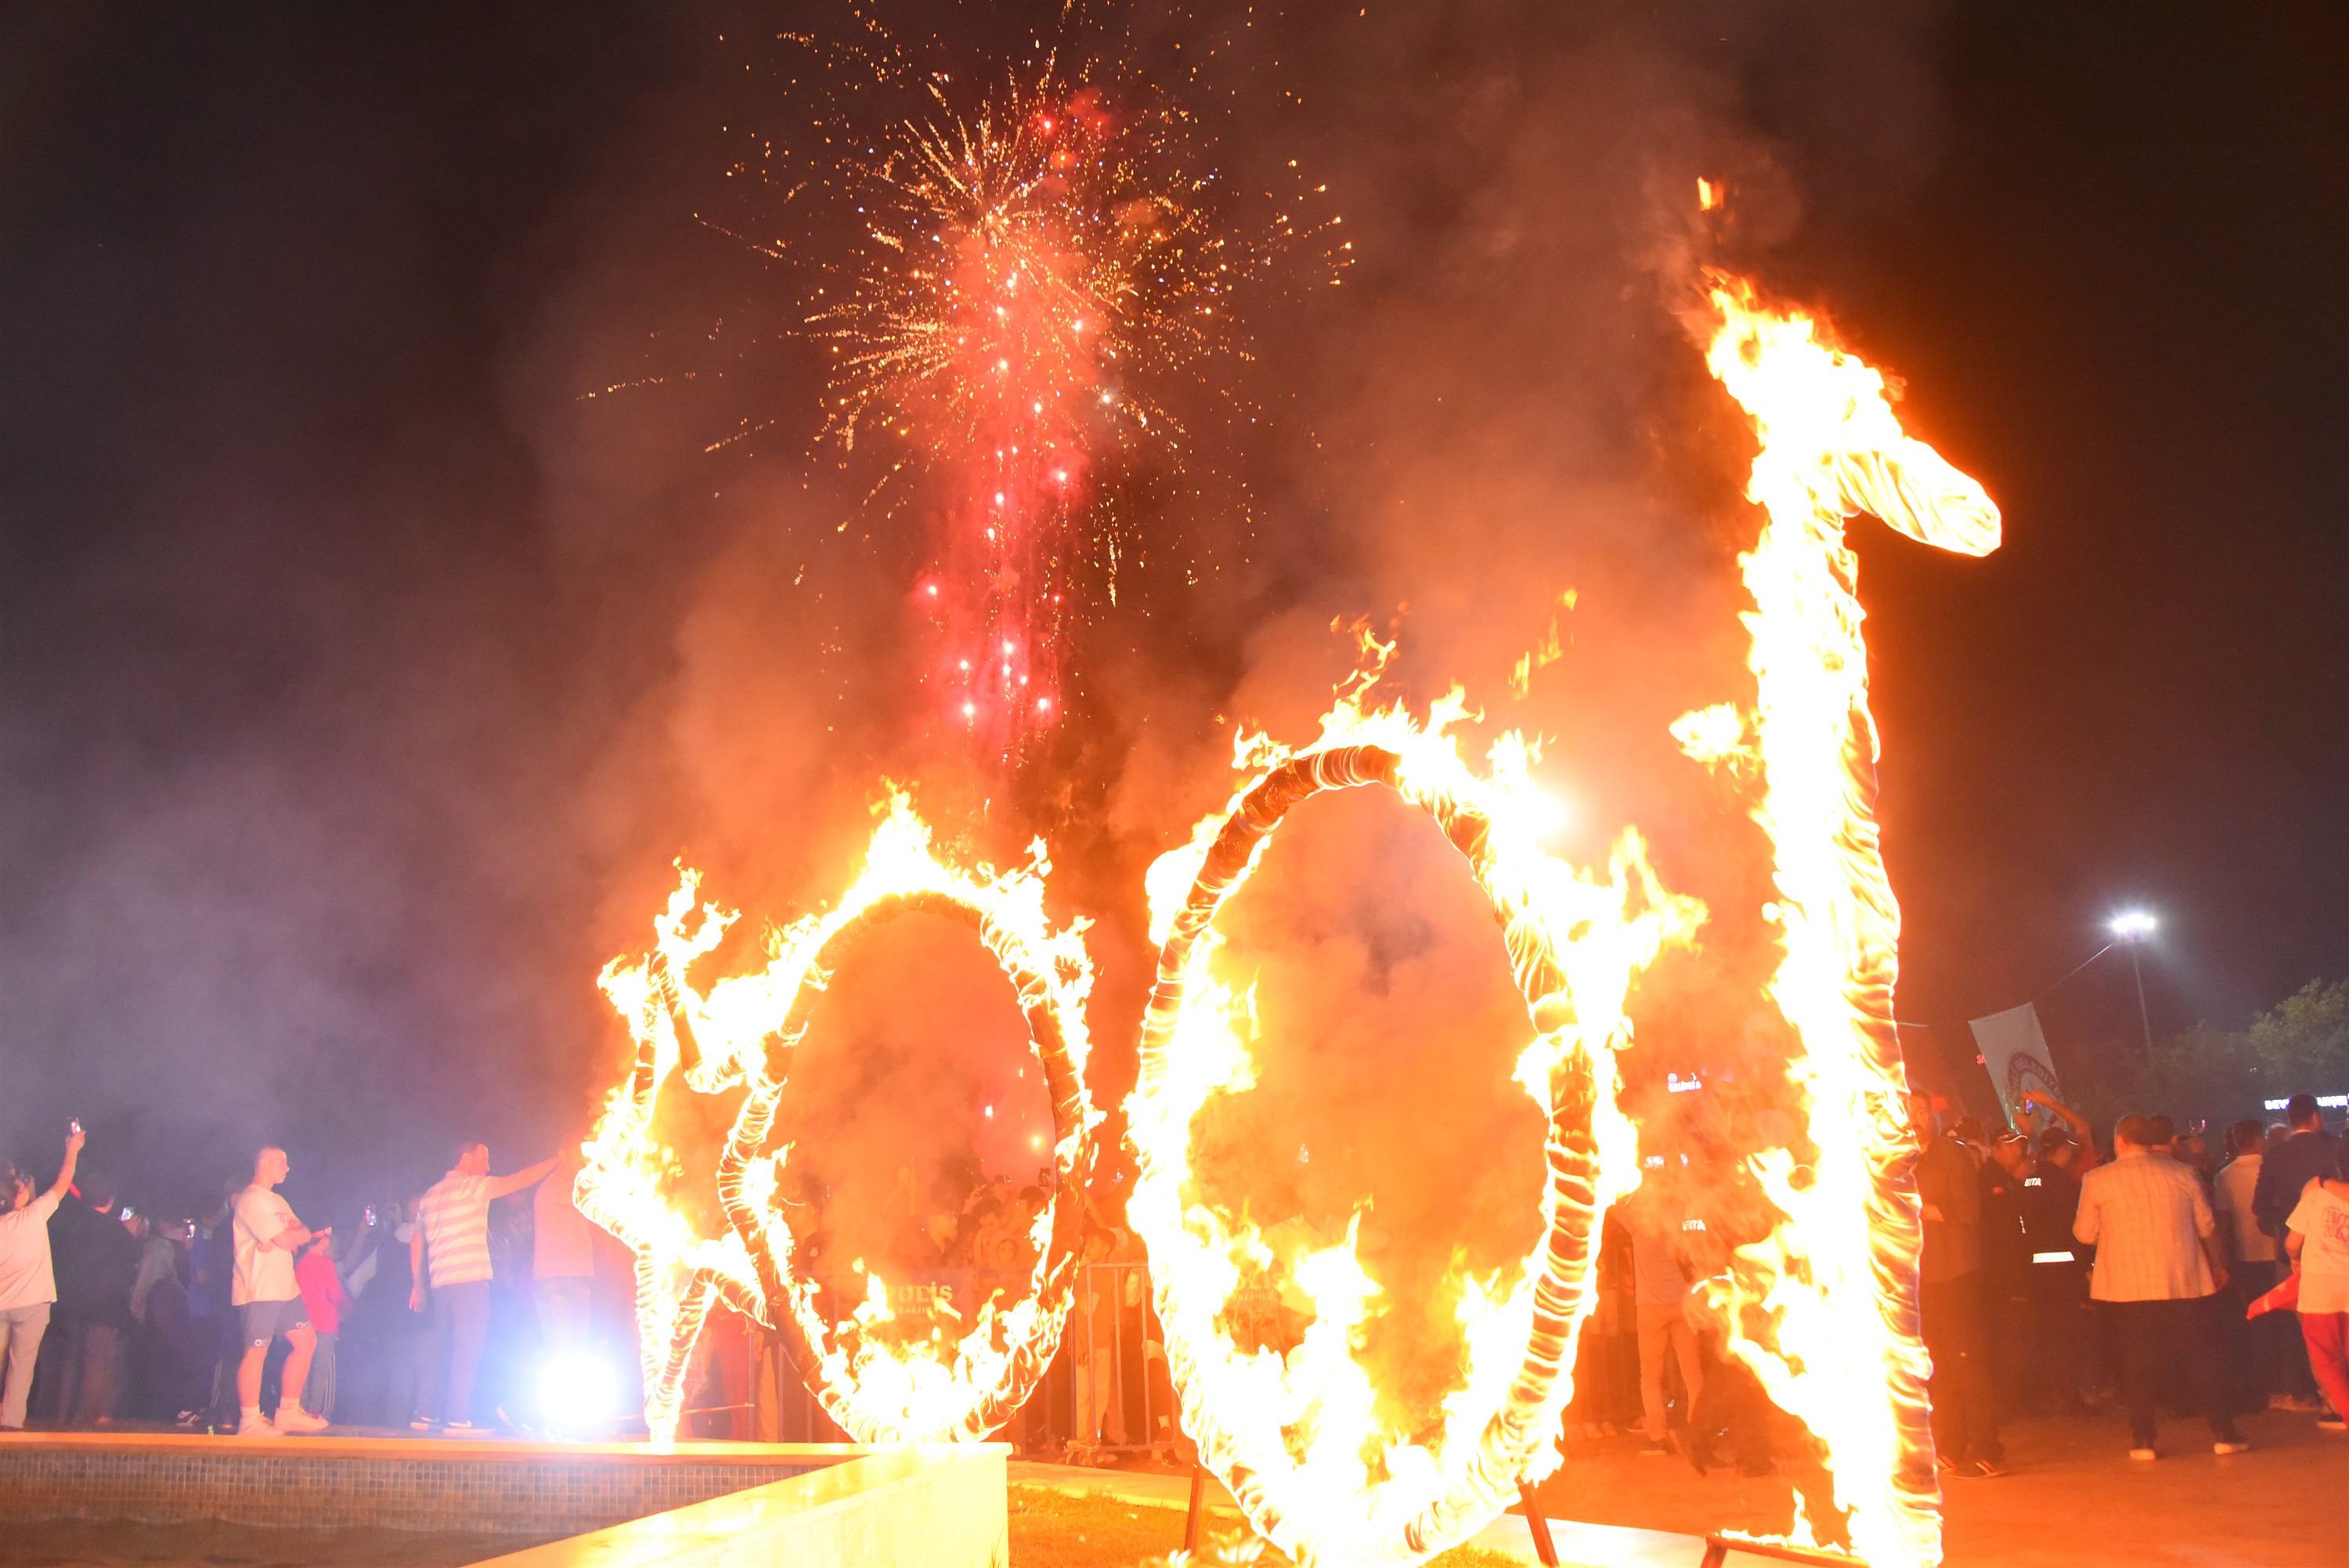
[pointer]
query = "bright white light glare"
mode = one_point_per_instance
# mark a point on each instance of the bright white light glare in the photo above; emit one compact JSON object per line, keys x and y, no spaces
{"x":2134,"y":925}
{"x":576,"y":1391}
{"x":1550,"y":813}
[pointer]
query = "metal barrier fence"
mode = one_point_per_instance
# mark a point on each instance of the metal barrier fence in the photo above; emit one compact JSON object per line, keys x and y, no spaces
{"x":1121,"y":1400}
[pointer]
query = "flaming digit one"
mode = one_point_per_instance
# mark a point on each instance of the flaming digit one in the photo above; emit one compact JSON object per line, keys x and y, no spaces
{"x":1023,"y":275}
{"x":1295,"y":1435}
{"x":742,"y":1029}
{"x":1825,"y":1310}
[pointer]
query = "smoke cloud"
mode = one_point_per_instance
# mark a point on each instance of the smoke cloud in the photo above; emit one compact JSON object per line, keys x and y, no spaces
{"x":405,"y":620}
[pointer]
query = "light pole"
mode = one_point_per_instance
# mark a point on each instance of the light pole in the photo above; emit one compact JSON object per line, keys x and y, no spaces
{"x":2133,"y":928}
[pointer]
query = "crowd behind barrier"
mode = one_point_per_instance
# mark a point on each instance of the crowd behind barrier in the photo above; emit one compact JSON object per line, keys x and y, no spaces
{"x":2058,"y":1274}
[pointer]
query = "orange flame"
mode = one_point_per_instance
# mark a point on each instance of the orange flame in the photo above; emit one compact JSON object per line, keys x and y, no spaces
{"x":1824,"y":1309}
{"x":1295,"y":1435}
{"x":744,"y":1028}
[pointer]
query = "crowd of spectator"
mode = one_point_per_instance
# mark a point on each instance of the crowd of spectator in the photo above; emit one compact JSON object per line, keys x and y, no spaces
{"x":244,"y":1319}
{"x":2058,"y":1276}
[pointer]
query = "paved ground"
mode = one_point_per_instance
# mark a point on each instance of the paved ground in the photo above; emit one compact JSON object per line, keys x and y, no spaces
{"x":2074,"y":1499}
{"x":1583,"y":1544}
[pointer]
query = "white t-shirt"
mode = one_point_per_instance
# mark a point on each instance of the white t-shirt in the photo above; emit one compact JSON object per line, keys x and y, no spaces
{"x":25,"y":1277}
{"x":261,"y":1274}
{"x":2322,"y":1215}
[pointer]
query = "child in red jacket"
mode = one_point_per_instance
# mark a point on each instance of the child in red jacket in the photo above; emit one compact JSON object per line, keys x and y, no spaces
{"x":324,"y":1298}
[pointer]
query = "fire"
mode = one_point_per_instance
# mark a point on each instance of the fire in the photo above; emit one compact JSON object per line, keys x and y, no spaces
{"x":742,"y":1029}
{"x":1295,"y":1435}
{"x":1824,"y":1309}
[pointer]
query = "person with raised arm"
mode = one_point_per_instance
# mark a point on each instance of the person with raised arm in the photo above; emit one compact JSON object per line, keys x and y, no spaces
{"x":2082,"y":1137}
{"x":28,"y":1285}
{"x":452,"y":1237}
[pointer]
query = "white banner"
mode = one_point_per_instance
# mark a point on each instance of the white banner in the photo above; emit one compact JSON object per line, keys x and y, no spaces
{"x":2015,"y":1051}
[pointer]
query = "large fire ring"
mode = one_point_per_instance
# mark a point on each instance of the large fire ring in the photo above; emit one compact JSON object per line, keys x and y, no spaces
{"x":1516,"y":1439}
{"x":739,"y":1030}
{"x":885,"y":1400}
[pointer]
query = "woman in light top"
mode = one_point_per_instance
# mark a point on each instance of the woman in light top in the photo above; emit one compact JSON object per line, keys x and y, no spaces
{"x":28,"y":1285}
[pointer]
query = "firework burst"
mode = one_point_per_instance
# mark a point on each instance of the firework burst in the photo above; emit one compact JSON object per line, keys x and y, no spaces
{"x":1021,"y":264}
{"x":1016,"y":289}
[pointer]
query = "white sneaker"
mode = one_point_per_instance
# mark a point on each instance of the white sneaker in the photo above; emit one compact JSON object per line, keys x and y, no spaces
{"x":2223,"y":1450}
{"x":294,"y":1418}
{"x":2146,"y":1456}
{"x":257,"y":1426}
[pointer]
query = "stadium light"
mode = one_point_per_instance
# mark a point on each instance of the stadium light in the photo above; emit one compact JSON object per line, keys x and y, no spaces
{"x":2133,"y":926}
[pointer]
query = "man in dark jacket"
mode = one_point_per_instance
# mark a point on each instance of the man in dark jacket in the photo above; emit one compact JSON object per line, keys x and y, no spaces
{"x":2061,"y":1322}
{"x":97,"y":1264}
{"x":2008,"y":1319}
{"x":2310,"y":1152}
{"x":1950,"y":1300}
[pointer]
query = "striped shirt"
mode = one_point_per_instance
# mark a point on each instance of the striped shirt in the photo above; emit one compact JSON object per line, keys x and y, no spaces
{"x":2146,"y":1215}
{"x":455,"y":1215}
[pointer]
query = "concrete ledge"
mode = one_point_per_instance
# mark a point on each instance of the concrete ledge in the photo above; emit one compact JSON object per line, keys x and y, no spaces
{"x":549,"y":1489}
{"x":936,"y":1506}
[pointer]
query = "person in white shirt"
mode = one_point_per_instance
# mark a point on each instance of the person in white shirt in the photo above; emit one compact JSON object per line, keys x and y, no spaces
{"x":2158,"y":1269}
{"x":2317,"y":1237}
{"x":262,"y":1290}
{"x":2258,"y":1348}
{"x":28,"y":1284}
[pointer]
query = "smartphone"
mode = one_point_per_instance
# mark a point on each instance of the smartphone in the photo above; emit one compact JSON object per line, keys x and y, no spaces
{"x":370,"y":1213}
{"x":74,"y":1125}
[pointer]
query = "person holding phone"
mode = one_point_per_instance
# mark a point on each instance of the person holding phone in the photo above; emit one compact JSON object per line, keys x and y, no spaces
{"x":28,"y":1285}
{"x":268,"y":1299}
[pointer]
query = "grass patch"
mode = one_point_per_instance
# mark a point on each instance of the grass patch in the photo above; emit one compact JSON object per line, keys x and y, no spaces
{"x":1061,"y":1530}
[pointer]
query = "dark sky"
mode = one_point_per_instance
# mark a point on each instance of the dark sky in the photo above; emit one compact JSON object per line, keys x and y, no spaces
{"x":364,"y":674}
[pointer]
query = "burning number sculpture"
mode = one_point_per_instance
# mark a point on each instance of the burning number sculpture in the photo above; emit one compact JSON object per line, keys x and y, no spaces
{"x":1292,"y":1435}
{"x":744,"y":1028}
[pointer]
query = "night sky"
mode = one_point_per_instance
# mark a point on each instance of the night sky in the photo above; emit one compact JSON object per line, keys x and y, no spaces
{"x":364,"y":673}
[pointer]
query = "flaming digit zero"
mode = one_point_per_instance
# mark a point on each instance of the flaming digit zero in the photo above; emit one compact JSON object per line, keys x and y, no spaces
{"x":744,"y":1028}
{"x":1296,"y":1436}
